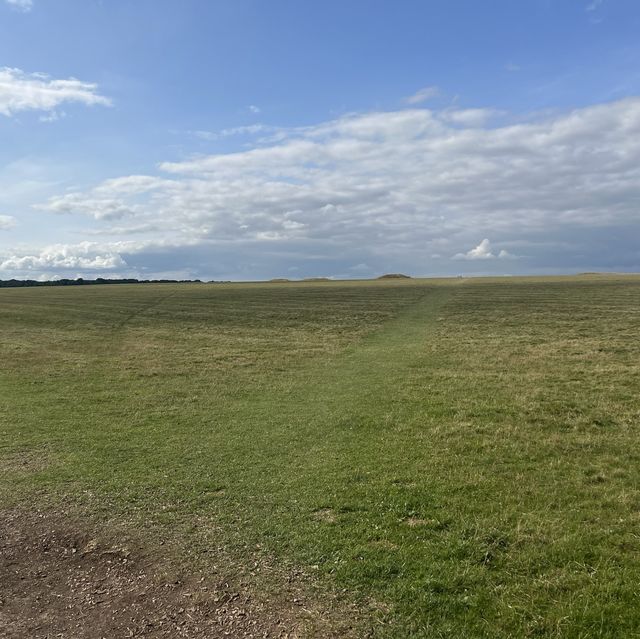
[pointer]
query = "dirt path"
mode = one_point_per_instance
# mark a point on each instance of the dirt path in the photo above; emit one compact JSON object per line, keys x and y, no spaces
{"x":59,"y":581}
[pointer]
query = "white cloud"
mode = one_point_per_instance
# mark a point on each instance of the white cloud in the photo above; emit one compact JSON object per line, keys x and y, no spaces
{"x":390,"y":190}
{"x":470,"y":117}
{"x":250,"y":129}
{"x":85,"y":256}
{"x":52,"y":116}
{"x":20,"y":91}
{"x":254,"y":109}
{"x":480,"y":252}
{"x":483,"y":251}
{"x":7,"y":222}
{"x":98,"y":208}
{"x":21,"y":5}
{"x":594,"y":5}
{"x":110,"y":200}
{"x":48,"y":277}
{"x":423,"y":95}
{"x":205,"y":135}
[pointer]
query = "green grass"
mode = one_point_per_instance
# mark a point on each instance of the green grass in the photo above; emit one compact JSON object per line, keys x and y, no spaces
{"x":461,"y":453}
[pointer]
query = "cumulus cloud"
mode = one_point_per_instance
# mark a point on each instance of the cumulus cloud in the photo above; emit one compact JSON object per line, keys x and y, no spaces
{"x":96,"y":257}
{"x":480,"y":252}
{"x":111,"y":200}
{"x":7,"y":222}
{"x":20,"y":91}
{"x":21,"y":5}
{"x":423,"y":95}
{"x":86,"y":256}
{"x":483,"y":251}
{"x":392,"y":190}
{"x":99,"y":208}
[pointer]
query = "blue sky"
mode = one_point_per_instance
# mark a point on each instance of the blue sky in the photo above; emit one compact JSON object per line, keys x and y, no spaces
{"x":247,"y":140}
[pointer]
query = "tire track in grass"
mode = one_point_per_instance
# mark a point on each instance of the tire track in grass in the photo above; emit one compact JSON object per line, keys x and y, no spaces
{"x":144,"y":308}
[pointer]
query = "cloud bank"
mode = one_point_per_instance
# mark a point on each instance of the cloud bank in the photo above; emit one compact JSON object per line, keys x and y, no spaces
{"x":410,"y":190}
{"x":85,"y":256}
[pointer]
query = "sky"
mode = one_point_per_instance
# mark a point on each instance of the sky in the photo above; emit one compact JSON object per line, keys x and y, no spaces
{"x":248,"y":140}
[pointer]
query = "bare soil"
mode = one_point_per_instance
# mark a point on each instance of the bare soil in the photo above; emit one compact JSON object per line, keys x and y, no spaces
{"x":58,"y":578}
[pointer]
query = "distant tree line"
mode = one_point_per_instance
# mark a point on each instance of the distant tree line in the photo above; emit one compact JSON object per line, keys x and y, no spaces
{"x":82,"y":282}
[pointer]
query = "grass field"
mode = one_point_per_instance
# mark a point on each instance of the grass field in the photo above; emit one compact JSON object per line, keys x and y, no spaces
{"x":459,"y":456}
